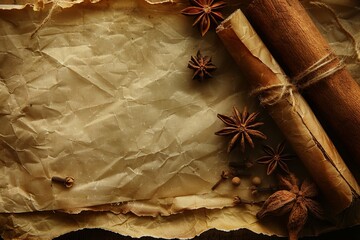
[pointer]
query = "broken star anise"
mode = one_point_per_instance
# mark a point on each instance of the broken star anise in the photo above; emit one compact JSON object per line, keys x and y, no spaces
{"x":206,"y":11}
{"x":240,"y":126}
{"x":202,"y":66}
{"x":294,"y":200}
{"x":275,"y":157}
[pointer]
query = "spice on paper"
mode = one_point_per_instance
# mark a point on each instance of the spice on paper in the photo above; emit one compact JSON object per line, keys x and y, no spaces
{"x":224,"y":175}
{"x":206,"y":12}
{"x":275,"y":157}
{"x":242,"y":127}
{"x":202,"y":66}
{"x":298,"y":201}
{"x":67,"y":182}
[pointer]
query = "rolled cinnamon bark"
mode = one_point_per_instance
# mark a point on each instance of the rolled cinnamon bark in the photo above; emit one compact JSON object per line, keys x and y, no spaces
{"x":290,"y":111}
{"x":306,"y":58}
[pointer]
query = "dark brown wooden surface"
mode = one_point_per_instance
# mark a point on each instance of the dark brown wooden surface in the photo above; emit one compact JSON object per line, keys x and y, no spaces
{"x":92,"y":234}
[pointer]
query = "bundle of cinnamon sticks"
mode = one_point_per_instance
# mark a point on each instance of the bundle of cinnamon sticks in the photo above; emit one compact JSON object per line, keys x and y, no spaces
{"x":309,"y":69}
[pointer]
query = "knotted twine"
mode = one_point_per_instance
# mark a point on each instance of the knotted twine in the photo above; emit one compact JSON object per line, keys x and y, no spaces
{"x":276,"y":92}
{"x":301,"y":79}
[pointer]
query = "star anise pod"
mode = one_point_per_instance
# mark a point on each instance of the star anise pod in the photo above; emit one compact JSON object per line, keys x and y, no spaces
{"x":206,"y":11}
{"x":294,"y":200}
{"x":275,"y":157}
{"x":240,"y":126}
{"x":202,"y":66}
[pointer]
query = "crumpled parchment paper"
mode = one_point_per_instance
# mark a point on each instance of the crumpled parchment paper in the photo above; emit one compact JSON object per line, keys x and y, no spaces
{"x":101,"y":93}
{"x":47,"y":225}
{"x":105,"y":96}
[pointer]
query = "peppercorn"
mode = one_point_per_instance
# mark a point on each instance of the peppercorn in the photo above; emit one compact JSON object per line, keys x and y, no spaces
{"x":236,"y":181}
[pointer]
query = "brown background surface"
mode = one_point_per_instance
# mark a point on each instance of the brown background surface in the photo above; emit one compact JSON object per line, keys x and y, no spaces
{"x":92,"y":234}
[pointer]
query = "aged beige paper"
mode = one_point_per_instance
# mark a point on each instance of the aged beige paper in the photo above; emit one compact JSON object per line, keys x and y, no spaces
{"x":102,"y":93}
{"x":47,"y":225}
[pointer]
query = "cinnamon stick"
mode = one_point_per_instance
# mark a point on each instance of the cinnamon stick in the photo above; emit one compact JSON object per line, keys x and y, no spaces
{"x":290,"y":111}
{"x":307,"y":59}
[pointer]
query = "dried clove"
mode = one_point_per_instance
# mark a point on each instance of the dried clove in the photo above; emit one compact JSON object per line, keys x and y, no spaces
{"x":224,"y":175}
{"x":67,"y":182}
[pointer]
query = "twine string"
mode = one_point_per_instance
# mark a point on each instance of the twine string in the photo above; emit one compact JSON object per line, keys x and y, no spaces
{"x":275,"y":93}
{"x":300,"y":80}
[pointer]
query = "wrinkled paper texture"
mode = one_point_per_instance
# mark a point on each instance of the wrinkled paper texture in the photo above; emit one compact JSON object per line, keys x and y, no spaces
{"x":101,"y":93}
{"x":113,"y":106}
{"x":192,"y":223}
